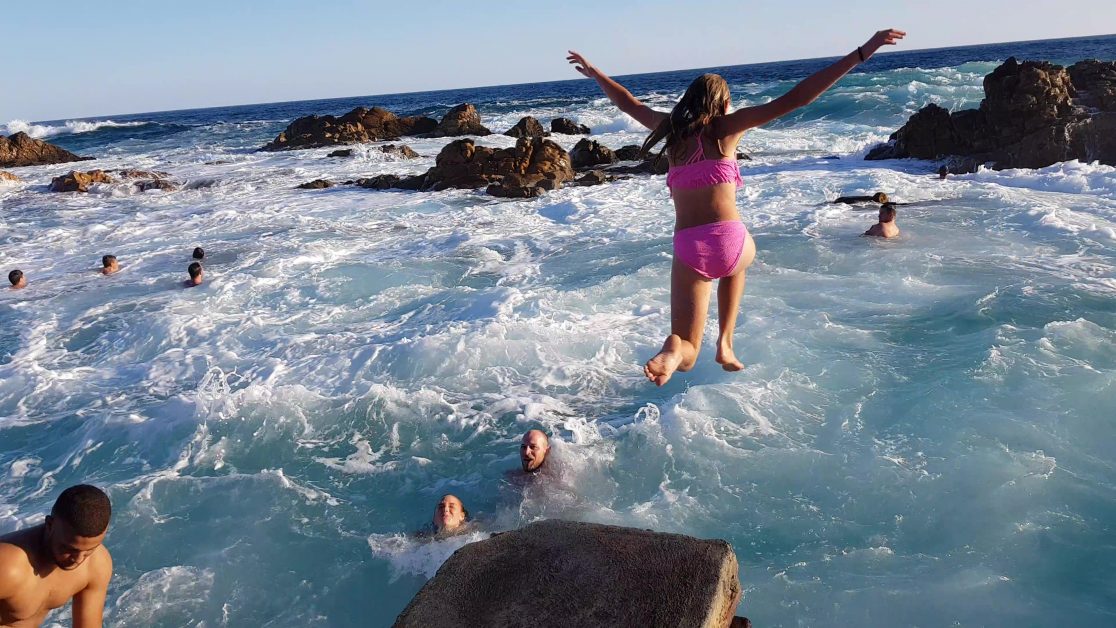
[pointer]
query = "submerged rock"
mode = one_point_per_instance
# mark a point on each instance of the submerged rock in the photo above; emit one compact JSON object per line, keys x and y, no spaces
{"x":401,"y":150}
{"x":316,"y":184}
{"x":344,"y":152}
{"x":568,"y":127}
{"x":76,"y":181}
{"x":7,"y":176}
{"x":1033,"y":115}
{"x":562,"y":573}
{"x":156,"y":184}
{"x":389,"y":181}
{"x":20,"y":149}
{"x":527,"y":127}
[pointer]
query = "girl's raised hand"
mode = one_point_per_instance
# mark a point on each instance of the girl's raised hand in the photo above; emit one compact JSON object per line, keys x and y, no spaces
{"x":886,"y":37}
{"x":580,"y":64}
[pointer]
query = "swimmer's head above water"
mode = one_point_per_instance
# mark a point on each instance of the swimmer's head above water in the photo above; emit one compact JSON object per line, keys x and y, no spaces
{"x":533,"y":450}
{"x":109,"y":265}
{"x":76,"y":525}
{"x":199,"y":253}
{"x":449,"y":515}
{"x":887,"y":212}
{"x":196,"y":274}
{"x":17,"y":279}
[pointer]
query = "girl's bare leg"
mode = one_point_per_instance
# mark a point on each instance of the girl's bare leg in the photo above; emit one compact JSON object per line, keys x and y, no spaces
{"x":689,"y":306}
{"x":729,"y":291}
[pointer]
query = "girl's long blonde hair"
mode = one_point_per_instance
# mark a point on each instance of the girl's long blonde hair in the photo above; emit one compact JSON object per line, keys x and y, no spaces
{"x":705,"y":98}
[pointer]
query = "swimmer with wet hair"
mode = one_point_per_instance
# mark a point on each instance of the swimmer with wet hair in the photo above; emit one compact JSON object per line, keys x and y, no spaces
{"x":886,"y":228}
{"x":533,"y":450}
{"x":199,"y":253}
{"x":45,"y":566}
{"x":17,"y":279}
{"x":109,"y":265}
{"x":878,"y":197}
{"x":450,"y":516}
{"x":196,"y":275}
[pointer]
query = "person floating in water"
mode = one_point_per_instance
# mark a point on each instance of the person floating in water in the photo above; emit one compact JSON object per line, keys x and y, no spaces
{"x":109,"y":265}
{"x":199,"y":253}
{"x":533,"y":450}
{"x":886,"y":227}
{"x":17,"y":279}
{"x":45,"y":566}
{"x":878,"y":197}
{"x":943,"y":172}
{"x":196,"y":275}
{"x":710,"y":241}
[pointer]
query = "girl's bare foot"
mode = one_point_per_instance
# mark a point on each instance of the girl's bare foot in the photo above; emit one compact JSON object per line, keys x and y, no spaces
{"x":726,"y":358}
{"x":659,"y":368}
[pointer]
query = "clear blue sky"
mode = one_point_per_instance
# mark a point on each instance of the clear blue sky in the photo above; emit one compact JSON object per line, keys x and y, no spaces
{"x":75,"y":59}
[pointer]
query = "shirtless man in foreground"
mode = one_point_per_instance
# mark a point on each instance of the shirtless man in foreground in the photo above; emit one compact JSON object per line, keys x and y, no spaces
{"x":43,"y":567}
{"x":886,"y":227}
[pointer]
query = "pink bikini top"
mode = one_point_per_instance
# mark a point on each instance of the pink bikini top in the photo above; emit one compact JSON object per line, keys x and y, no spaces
{"x":699,"y":172}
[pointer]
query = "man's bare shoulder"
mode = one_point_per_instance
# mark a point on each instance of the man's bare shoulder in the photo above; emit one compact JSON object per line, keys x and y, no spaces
{"x":15,"y":567}
{"x":100,"y":568}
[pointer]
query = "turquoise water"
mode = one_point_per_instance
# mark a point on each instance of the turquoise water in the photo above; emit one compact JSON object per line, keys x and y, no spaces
{"x":923,"y":434}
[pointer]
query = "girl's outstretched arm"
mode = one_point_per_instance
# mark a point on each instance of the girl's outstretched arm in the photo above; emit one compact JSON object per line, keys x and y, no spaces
{"x":619,"y":96}
{"x":807,"y":91}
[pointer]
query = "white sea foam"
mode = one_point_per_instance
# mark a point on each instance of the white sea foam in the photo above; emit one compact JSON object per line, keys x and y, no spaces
{"x":40,"y":131}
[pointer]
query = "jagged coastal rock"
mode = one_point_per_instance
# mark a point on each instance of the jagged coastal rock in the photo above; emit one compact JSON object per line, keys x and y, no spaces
{"x":357,"y":126}
{"x":1034,"y":114}
{"x":77,"y":181}
{"x":563,"y":573}
{"x":20,"y":149}
{"x":568,"y":127}
{"x":588,"y":153}
{"x":527,"y":127}
{"x":461,"y":120}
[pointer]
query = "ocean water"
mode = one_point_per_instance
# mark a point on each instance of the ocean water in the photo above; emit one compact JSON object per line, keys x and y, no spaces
{"x":924,"y":434}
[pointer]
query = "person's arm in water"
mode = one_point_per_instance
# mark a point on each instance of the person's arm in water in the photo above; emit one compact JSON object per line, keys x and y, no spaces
{"x":805,"y":92}
{"x":618,"y":94}
{"x":89,"y":603}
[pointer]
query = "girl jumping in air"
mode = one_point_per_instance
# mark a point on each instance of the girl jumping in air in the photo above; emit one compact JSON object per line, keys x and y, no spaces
{"x":710,"y":241}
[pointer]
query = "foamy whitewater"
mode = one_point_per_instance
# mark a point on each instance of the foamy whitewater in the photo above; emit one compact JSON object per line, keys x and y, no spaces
{"x":923,"y":435}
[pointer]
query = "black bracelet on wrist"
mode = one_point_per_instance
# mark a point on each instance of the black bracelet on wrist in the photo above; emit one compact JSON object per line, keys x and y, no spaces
{"x":861,"y":53}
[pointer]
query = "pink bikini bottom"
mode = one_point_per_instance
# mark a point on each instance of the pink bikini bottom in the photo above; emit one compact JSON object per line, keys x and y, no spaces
{"x":713,"y":249}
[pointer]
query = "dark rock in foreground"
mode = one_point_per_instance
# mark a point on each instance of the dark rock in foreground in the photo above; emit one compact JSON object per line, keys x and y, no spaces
{"x":316,"y":184}
{"x":1034,"y":114}
{"x":357,"y":126}
{"x":627,"y":153}
{"x":461,"y":120}
{"x":568,"y":127}
{"x":588,"y":153}
{"x":527,"y":127}
{"x":561,"y":573}
{"x":20,"y":149}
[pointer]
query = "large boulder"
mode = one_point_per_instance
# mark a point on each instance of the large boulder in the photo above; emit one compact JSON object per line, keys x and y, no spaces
{"x":588,"y":153}
{"x":562,"y":573}
{"x":568,"y":127}
{"x":357,"y":126}
{"x":1034,"y":114}
{"x":77,"y":181}
{"x":20,"y":149}
{"x":461,"y":120}
{"x":463,"y":164}
{"x":527,"y":127}
{"x":628,"y":153}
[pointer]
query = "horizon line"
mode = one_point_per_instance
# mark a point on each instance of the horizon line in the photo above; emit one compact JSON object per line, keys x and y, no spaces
{"x":579,"y":78}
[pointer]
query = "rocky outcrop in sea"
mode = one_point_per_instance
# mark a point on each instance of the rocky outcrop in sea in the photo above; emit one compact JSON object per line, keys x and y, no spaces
{"x":20,"y":149}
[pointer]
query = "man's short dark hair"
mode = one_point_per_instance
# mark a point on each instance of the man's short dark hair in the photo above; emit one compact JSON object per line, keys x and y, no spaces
{"x":199,"y":252}
{"x":15,"y":276}
{"x":887,"y":212}
{"x":195,"y":269}
{"x":106,"y":260}
{"x":85,"y":508}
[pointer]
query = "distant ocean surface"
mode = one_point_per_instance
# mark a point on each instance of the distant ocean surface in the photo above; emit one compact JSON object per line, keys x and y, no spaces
{"x":925,"y":433}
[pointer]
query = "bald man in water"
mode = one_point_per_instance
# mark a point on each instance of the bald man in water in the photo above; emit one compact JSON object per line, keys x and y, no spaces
{"x":45,"y":566}
{"x":533,"y":450}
